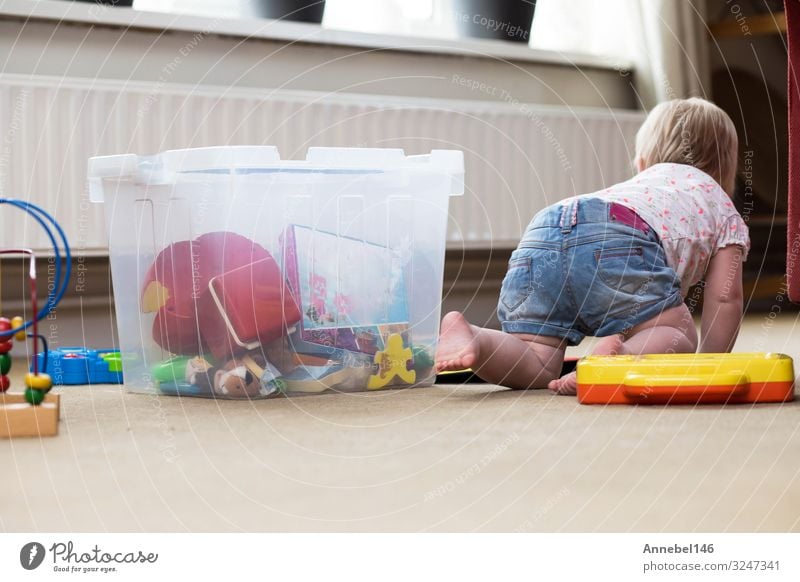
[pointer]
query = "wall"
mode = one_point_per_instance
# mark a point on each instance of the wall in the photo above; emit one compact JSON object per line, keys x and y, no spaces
{"x":142,"y":48}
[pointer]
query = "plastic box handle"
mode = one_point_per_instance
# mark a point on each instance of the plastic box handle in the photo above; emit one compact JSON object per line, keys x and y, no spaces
{"x":641,"y":386}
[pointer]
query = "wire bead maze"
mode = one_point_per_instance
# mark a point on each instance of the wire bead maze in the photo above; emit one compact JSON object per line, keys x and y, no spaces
{"x":32,"y":414}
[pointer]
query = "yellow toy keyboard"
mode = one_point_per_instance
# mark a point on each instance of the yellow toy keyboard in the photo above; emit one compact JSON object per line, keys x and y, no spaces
{"x":686,"y":379}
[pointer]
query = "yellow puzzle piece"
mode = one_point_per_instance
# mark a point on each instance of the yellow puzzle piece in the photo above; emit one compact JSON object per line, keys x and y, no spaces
{"x":392,"y":361}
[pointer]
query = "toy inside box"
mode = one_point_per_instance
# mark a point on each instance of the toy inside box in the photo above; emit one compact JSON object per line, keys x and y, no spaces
{"x":240,"y":275}
{"x":686,"y":379}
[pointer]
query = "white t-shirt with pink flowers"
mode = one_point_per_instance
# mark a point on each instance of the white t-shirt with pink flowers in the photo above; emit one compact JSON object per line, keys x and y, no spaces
{"x":689,"y":210}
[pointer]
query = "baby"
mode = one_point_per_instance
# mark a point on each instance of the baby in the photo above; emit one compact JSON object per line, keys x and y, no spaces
{"x":618,"y":263}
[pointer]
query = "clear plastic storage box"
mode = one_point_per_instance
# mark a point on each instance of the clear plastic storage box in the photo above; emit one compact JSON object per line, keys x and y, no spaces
{"x":240,"y":275}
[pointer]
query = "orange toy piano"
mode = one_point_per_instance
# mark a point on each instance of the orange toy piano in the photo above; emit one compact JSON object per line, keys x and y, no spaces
{"x":686,"y":379}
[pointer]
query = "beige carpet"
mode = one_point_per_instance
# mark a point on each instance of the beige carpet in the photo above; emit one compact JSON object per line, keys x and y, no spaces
{"x":445,"y":458}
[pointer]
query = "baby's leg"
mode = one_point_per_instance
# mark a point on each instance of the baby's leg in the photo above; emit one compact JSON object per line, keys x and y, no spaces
{"x":513,"y":360}
{"x":671,"y":332}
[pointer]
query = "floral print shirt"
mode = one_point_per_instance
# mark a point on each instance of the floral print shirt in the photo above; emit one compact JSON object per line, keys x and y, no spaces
{"x":689,"y":210}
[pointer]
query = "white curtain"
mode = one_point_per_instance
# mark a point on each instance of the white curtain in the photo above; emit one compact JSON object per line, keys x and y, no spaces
{"x":665,"y":40}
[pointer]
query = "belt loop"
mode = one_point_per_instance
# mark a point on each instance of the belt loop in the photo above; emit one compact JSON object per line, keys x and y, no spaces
{"x":569,"y":215}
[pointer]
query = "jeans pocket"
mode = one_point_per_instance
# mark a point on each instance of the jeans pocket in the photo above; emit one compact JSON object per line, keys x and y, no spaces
{"x":517,"y":283}
{"x":622,"y":268}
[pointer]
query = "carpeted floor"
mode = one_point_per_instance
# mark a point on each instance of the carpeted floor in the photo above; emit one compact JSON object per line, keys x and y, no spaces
{"x":445,"y":458}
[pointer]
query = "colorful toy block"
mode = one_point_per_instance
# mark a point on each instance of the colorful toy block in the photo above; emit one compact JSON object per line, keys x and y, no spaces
{"x":75,"y":365}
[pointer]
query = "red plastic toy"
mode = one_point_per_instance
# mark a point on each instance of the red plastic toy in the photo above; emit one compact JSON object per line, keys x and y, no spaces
{"x":221,"y":293}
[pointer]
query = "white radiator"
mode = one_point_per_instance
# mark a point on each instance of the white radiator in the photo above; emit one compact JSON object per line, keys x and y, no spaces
{"x":519,"y":157}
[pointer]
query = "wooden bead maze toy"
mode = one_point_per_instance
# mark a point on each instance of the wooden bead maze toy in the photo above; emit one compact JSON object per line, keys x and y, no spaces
{"x":33,"y":412}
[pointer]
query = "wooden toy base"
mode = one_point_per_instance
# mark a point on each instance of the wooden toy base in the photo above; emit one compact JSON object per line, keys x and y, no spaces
{"x":20,"y":419}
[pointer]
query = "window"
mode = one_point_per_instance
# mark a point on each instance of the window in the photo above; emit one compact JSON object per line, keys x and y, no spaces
{"x":577,"y":26}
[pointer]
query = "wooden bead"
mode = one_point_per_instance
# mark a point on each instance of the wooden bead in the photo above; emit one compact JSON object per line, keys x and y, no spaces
{"x":5,"y":364}
{"x":16,"y":322}
{"x":34,"y":396}
{"x":4,"y":383}
{"x":38,"y":381}
{"x":5,"y":341}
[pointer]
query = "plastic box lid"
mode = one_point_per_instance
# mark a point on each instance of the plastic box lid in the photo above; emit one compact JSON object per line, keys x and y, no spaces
{"x":162,"y":168}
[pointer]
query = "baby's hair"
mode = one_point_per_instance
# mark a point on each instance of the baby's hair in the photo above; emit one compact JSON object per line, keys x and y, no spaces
{"x":694,"y":132}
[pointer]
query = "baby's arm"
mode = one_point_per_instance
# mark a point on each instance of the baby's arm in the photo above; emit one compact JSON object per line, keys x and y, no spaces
{"x":722,"y":301}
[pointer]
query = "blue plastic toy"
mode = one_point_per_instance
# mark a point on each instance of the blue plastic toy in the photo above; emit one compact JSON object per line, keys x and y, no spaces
{"x":82,"y":366}
{"x":184,"y":389}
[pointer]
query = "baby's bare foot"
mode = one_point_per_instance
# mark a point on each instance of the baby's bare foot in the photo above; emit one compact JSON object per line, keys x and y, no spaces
{"x":458,"y":346}
{"x":567,"y":385}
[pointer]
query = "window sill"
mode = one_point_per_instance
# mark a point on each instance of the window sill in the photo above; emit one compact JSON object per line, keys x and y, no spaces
{"x":293,"y":32}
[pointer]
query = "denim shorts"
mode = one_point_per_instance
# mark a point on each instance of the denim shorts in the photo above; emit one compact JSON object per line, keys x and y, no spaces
{"x":586,"y":267}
